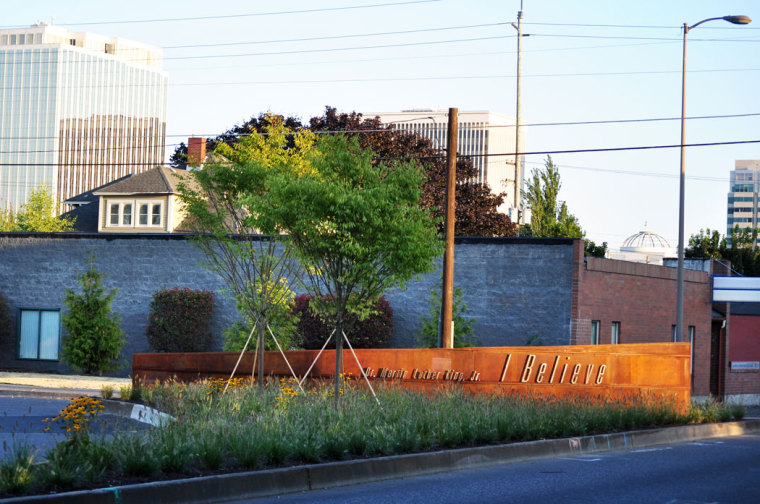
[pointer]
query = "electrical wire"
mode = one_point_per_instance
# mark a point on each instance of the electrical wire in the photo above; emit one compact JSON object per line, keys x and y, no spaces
{"x":334,"y":37}
{"x":502,"y":154}
{"x":237,"y":16}
{"x":385,"y":130}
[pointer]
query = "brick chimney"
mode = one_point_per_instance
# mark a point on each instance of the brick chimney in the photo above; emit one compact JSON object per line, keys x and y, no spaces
{"x":196,"y":151}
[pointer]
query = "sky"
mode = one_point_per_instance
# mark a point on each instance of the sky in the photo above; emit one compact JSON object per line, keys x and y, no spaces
{"x":594,"y":61}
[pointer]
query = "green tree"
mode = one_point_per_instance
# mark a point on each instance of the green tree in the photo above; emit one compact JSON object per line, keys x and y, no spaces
{"x":357,"y":226}
{"x":39,"y":214}
{"x":94,"y":339}
{"x":549,"y":216}
{"x":7,"y":220}
{"x":464,"y":334}
{"x":227,"y":208}
{"x":477,"y":209}
{"x":739,"y":248}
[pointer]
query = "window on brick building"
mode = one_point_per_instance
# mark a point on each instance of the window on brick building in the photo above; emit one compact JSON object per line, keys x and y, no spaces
{"x":39,"y":334}
{"x":692,"y":330}
{"x":595,"y":324}
{"x":615,"y":333}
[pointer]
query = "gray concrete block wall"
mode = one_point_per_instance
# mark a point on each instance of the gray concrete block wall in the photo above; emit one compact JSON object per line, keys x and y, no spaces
{"x":514,"y":288}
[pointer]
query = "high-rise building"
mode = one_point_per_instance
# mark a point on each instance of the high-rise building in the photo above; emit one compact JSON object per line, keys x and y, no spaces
{"x":743,"y":202}
{"x":488,"y":137}
{"x":77,"y":110}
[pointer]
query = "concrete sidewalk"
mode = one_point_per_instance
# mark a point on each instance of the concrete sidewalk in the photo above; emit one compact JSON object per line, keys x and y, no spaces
{"x":56,"y":386}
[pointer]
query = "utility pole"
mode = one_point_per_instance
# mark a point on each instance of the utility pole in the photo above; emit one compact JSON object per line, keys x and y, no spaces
{"x":518,"y":174}
{"x":446,"y":336}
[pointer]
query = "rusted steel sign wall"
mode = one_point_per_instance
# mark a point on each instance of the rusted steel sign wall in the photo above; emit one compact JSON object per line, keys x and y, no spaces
{"x":612,"y":371}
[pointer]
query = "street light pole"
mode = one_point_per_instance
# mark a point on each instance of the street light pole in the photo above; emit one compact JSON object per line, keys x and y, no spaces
{"x":679,"y":336}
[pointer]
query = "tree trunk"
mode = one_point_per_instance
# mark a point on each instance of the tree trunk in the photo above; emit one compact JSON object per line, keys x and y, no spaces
{"x":338,"y":359}
{"x":261,"y":354}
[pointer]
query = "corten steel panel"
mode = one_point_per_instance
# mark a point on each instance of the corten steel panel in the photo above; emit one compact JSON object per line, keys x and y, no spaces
{"x":604,"y":371}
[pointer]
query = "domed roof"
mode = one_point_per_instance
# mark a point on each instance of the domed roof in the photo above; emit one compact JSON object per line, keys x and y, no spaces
{"x":645,"y":240}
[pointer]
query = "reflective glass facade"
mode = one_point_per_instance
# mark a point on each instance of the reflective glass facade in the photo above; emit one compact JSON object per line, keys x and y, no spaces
{"x":744,"y":197}
{"x":77,"y":110}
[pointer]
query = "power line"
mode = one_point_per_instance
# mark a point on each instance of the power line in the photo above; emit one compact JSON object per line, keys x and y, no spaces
{"x":385,"y":130}
{"x":567,"y":151}
{"x":633,"y":172}
{"x":253,"y":14}
{"x":334,"y":37}
{"x":669,"y":27}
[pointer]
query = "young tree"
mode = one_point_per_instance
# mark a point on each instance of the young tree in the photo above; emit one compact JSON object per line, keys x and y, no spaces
{"x":357,"y":226}
{"x":227,"y":209}
{"x":549,"y":216}
{"x":464,"y":334}
{"x":7,"y":220}
{"x":39,"y":214}
{"x":94,"y":340}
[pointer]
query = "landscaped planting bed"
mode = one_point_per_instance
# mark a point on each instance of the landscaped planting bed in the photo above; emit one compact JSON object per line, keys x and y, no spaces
{"x":248,"y":428}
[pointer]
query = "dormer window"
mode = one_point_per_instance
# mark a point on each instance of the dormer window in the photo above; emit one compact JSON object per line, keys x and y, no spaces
{"x":122,"y":214}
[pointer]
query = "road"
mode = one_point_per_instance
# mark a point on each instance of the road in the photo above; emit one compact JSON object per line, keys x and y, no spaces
{"x":21,"y":422}
{"x":723,"y":470}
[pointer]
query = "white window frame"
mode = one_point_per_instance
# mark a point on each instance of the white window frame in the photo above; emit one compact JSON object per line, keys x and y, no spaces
{"x":120,"y":204}
{"x":32,"y":323}
{"x":615,"y":332}
{"x":152,"y":206}
{"x":596,"y":326}
{"x":134,"y":215}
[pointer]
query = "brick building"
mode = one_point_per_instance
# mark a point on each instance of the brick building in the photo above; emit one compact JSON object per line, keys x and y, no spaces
{"x":519,"y":291}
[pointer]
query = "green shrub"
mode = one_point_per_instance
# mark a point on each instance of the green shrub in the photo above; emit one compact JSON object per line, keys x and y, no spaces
{"x":180,"y":320}
{"x":6,"y":325}
{"x":373,"y":332}
{"x":464,"y":334}
{"x":94,"y":340}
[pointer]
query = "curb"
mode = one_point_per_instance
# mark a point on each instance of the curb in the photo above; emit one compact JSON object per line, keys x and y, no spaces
{"x":45,"y":393}
{"x":137,"y":412}
{"x":253,"y":484}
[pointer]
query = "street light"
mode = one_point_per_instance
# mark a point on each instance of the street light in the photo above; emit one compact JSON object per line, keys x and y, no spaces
{"x":679,"y":279}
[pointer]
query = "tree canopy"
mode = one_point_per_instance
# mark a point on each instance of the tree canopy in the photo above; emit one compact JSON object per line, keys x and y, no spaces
{"x":477,"y":211}
{"x":37,"y":215}
{"x":227,"y":207}
{"x":550,"y":217}
{"x":740,"y":248}
{"x":356,"y":226}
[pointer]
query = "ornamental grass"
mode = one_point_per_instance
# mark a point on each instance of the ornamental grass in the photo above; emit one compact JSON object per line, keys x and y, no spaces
{"x":246,"y":428}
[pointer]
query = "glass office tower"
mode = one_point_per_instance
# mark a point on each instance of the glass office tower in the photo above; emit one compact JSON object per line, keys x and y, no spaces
{"x":77,"y":110}
{"x":744,"y":197}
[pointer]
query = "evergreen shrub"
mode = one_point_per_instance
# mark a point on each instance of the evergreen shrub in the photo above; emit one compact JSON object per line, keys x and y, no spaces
{"x":180,"y":320}
{"x":373,"y":332}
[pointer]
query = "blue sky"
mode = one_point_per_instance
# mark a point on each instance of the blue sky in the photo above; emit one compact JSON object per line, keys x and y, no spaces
{"x":596,"y":60}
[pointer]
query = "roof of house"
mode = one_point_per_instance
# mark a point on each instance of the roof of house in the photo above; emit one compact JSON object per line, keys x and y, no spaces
{"x":86,"y":216}
{"x":159,"y":180}
{"x":89,"y":196}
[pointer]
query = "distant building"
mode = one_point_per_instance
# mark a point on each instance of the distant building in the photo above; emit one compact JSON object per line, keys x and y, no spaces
{"x":77,"y":110}
{"x":644,"y":247}
{"x":487,"y":136}
{"x":743,"y":203}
